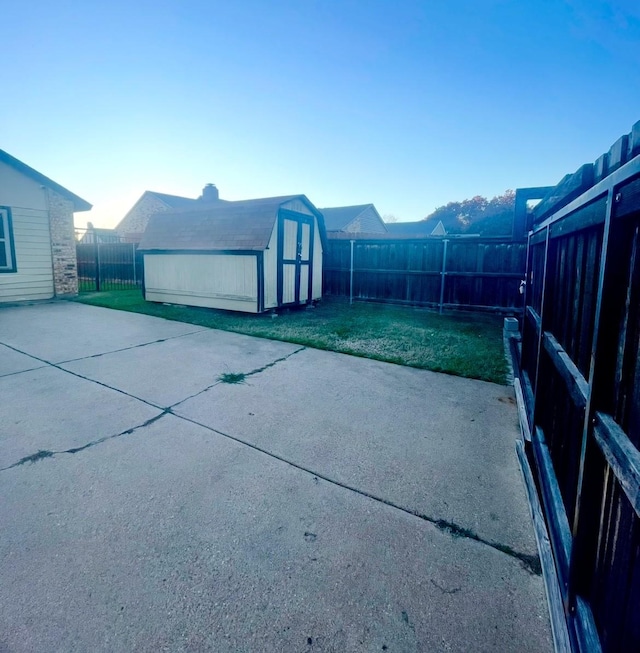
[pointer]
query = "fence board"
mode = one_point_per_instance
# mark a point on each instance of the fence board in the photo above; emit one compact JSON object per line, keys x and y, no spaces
{"x":477,"y":273}
{"x":580,"y":368}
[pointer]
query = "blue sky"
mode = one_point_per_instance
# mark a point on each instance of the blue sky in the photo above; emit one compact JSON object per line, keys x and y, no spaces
{"x":405,"y":104}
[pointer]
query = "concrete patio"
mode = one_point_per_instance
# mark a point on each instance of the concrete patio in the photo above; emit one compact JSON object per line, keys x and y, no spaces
{"x":327,"y":503}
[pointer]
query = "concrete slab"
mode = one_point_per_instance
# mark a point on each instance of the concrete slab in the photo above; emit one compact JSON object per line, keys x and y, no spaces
{"x":175,"y":539}
{"x":63,"y":331}
{"x":12,"y":362}
{"x":436,"y":444}
{"x":48,"y":409}
{"x":168,"y":372}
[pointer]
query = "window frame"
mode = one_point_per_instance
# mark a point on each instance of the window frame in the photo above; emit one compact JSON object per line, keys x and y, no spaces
{"x":7,"y":242}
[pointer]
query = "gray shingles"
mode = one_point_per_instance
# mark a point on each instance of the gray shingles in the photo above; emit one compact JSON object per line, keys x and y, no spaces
{"x":244,"y":225}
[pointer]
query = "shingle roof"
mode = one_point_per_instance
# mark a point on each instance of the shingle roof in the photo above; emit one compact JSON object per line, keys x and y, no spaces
{"x":78,"y":203}
{"x":243,"y":225}
{"x":419,"y":228}
{"x":339,"y":217}
{"x":173,"y":201}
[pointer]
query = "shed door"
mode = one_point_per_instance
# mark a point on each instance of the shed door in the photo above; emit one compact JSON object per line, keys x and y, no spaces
{"x":295,"y":249}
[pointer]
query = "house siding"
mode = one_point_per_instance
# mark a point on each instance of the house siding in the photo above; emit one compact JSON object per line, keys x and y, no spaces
{"x":222,"y":281}
{"x":367,"y":222}
{"x":28,"y":201}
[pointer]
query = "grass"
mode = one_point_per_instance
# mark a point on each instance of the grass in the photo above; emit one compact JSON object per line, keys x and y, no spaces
{"x":468,"y":345}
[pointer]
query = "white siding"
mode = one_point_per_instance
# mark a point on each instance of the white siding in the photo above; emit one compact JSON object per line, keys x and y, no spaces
{"x":32,"y":239}
{"x":271,"y":270}
{"x":317,"y":263}
{"x":298,"y":206}
{"x":212,"y":280}
{"x":367,"y":222}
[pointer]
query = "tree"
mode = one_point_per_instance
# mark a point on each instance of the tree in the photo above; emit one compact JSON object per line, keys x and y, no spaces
{"x":477,"y":215}
{"x":389,"y":218}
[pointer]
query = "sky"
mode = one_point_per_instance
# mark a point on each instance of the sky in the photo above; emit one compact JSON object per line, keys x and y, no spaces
{"x":404,"y":104}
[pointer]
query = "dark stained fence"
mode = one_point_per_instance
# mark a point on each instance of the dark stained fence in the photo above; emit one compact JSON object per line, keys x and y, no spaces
{"x":449,"y":273}
{"x":108,"y":266}
{"x":580,"y":379}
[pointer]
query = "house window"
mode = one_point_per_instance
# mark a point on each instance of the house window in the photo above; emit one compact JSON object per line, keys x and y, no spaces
{"x":7,"y":249}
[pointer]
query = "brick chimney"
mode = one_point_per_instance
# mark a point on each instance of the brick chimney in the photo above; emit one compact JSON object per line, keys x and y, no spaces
{"x":209,"y":193}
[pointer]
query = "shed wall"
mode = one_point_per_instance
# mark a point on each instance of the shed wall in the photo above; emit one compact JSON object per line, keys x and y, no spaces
{"x":224,"y":281}
{"x":317,"y":263}
{"x":297,"y":206}
{"x":271,"y":270}
{"x":27,"y":201}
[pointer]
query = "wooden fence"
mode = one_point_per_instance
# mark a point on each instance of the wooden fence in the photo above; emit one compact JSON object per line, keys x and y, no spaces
{"x":449,"y":273}
{"x":579,"y":397}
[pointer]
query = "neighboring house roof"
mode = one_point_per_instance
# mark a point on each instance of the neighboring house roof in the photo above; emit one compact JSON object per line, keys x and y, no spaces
{"x":228,"y":226}
{"x":99,"y":235}
{"x":172,"y":201}
{"x":78,"y":203}
{"x":419,"y":228}
{"x":339,"y":218}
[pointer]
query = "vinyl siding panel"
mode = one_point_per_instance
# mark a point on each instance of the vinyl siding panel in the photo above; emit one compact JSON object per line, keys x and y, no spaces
{"x":368,"y":222}
{"x":34,"y":276}
{"x":212,"y":280}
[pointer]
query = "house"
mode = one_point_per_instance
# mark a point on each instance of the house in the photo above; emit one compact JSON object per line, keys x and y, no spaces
{"x":363,"y":218}
{"x":37,"y":242}
{"x":249,"y":256}
{"x":417,"y":229}
{"x":94,"y":235}
{"x":132,"y":226}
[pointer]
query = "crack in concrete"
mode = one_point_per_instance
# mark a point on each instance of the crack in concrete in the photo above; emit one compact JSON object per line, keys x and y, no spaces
{"x":115,"y":351}
{"x":529,"y":562}
{"x":258,"y":370}
{"x":57,"y":366}
{"x":44,"y":453}
{"x":31,"y":369}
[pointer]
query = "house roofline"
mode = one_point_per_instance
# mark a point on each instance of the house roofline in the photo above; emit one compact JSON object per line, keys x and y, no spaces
{"x":78,"y":203}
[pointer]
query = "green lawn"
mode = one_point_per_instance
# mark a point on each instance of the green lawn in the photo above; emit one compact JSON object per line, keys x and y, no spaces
{"x":462,"y":344}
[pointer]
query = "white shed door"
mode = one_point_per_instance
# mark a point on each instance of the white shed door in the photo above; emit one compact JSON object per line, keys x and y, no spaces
{"x":295,"y":254}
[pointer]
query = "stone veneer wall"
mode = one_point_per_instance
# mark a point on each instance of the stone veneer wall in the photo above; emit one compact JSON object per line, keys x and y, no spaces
{"x":135,"y":222}
{"x":63,"y":245}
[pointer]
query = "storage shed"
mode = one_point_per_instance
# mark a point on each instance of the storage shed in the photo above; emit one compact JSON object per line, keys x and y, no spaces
{"x":249,"y":256}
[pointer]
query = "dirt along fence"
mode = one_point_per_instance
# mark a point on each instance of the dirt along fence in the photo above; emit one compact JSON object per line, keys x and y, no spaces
{"x":447,"y":273}
{"x":105,"y":262}
{"x":578,"y":391}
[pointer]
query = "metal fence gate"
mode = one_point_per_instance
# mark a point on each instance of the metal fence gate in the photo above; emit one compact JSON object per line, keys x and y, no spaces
{"x":107,"y":263}
{"x":579,"y":392}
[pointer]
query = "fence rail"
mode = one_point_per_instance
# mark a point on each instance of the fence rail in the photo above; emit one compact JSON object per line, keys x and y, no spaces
{"x":579,"y":396}
{"x":469,"y":273}
{"x":107,"y":265}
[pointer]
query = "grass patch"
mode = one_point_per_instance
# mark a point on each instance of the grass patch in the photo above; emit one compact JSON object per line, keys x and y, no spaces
{"x":466,"y":344}
{"x":232,"y":377}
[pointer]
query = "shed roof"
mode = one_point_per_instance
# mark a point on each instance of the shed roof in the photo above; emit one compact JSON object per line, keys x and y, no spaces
{"x":228,"y":226}
{"x":78,"y":203}
{"x":338,"y":217}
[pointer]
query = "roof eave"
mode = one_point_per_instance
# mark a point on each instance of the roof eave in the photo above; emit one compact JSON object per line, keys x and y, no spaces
{"x":78,"y":203}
